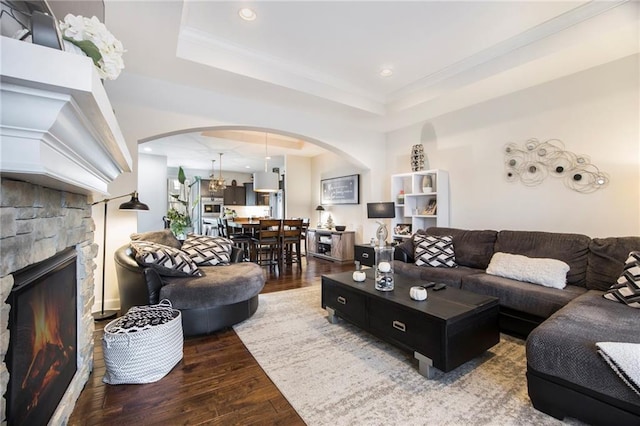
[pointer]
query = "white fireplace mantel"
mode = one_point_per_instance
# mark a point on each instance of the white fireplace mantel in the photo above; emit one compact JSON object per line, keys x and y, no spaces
{"x":57,"y":126}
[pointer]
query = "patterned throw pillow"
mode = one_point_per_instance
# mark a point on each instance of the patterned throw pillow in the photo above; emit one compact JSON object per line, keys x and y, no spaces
{"x":431,"y":250}
{"x":164,"y":259}
{"x":627,"y":289}
{"x":206,"y":250}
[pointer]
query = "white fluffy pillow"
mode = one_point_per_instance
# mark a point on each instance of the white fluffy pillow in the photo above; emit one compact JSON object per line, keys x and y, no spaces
{"x":546,"y":272}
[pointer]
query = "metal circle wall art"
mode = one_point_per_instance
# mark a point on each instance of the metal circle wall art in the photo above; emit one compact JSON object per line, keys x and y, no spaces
{"x":535,"y":161}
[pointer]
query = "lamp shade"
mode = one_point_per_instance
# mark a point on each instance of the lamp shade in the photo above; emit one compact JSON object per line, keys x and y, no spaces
{"x":266,"y":182}
{"x":382,"y":210}
{"x":320,"y":208}
{"x":134,"y":204}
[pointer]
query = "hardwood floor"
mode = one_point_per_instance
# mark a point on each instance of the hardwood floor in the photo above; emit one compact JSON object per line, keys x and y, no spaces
{"x":217,"y":381}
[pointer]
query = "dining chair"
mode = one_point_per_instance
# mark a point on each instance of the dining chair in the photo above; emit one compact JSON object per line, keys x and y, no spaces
{"x":291,"y":236}
{"x":222,"y":227}
{"x":303,"y":236}
{"x":266,"y":244}
{"x":238,"y":239}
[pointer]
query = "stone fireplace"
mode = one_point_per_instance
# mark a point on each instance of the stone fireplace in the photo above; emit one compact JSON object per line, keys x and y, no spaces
{"x":60,"y":148}
{"x":37,"y":223}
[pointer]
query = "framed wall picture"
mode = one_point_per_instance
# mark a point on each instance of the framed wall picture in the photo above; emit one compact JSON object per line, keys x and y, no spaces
{"x":340,"y":190}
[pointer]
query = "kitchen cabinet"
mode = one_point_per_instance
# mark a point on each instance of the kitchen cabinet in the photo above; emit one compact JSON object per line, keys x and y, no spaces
{"x":234,"y":196}
{"x":253,"y":198}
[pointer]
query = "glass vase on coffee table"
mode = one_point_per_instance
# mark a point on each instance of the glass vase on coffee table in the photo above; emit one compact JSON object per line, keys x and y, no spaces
{"x":384,"y":268}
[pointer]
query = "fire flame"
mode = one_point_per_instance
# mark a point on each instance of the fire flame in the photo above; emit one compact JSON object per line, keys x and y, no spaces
{"x":49,"y":352}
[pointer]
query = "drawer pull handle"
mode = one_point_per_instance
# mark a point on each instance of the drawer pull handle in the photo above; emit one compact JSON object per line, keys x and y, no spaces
{"x":399,"y":326}
{"x":365,"y":255}
{"x":342,"y":300}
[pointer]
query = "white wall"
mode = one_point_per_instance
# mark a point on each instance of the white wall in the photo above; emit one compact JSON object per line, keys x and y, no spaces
{"x":298,"y":187}
{"x":353,"y":216}
{"x":594,"y":113}
{"x":152,"y":186}
{"x":120,"y":224}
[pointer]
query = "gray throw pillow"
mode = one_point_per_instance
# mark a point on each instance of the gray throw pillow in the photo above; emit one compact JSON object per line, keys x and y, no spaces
{"x":164,"y":237}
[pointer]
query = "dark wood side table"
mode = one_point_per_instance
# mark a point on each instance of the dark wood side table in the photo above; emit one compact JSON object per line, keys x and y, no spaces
{"x":365,"y":254}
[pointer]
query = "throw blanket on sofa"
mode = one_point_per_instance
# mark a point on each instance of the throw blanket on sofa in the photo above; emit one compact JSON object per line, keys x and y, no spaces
{"x":624,"y":359}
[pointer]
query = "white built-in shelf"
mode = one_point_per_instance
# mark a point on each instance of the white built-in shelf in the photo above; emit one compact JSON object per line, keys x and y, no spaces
{"x":416,"y":199}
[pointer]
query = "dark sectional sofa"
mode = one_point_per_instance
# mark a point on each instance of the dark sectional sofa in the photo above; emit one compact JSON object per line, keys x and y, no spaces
{"x":565,"y":374}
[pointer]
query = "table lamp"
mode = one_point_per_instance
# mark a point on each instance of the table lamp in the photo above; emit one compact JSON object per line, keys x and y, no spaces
{"x":319,"y":209}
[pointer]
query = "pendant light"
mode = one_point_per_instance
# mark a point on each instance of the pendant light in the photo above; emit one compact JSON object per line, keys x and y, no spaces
{"x":265,"y":181}
{"x":212,"y":177}
{"x":217,"y":185}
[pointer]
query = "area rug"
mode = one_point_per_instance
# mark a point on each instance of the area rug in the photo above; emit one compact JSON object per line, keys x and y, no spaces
{"x":339,"y":375}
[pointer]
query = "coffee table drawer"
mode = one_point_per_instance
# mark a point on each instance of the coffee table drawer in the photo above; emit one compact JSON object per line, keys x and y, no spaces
{"x":348,"y":304}
{"x":409,"y":329}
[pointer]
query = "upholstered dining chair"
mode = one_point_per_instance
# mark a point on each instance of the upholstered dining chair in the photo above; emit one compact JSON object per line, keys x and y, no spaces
{"x":266,"y":244}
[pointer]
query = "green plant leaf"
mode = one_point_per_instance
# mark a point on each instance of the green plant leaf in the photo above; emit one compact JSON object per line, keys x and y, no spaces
{"x":89,"y":49}
{"x":181,"y":176}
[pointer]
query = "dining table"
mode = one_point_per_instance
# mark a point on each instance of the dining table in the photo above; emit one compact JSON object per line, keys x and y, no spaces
{"x":247,"y":226}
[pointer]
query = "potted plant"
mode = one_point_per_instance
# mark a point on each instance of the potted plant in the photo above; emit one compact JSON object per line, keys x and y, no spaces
{"x":178,"y":215}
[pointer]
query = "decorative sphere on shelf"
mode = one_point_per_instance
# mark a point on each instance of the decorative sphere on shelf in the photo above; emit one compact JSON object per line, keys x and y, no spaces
{"x":359,"y":276}
{"x":384,"y":267}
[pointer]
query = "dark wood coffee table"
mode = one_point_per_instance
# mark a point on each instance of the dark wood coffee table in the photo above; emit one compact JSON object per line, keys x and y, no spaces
{"x":448,"y":329}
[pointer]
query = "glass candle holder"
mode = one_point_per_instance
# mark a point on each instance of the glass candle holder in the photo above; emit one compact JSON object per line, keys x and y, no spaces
{"x":384,"y":268}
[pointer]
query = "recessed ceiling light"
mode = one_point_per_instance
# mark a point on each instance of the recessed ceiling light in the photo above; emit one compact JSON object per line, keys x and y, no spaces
{"x":247,"y":14}
{"x":147,"y":149}
{"x":386,"y":72}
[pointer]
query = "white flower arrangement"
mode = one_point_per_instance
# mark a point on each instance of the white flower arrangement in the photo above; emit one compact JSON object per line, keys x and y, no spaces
{"x":93,"y":38}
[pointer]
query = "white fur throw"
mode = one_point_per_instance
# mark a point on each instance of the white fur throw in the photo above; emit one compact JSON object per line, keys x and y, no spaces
{"x":546,"y":272}
{"x":624,"y":359}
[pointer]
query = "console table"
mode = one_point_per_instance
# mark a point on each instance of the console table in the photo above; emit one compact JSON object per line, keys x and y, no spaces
{"x":331,"y":245}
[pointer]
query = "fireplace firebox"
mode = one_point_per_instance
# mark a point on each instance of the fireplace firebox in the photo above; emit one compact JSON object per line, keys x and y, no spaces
{"x":42,"y":354}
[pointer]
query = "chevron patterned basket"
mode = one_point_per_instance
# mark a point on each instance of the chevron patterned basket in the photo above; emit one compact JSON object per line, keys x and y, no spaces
{"x":143,"y":345}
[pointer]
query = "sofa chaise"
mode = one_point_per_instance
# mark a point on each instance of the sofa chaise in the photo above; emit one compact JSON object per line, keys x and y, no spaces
{"x":565,"y":374}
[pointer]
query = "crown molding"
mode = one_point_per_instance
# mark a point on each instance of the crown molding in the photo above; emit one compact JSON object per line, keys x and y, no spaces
{"x":57,"y":127}
{"x":197,"y":46}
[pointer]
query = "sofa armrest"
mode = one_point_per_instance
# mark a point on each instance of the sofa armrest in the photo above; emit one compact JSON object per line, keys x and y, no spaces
{"x":402,"y":256}
{"x":154,"y":284}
